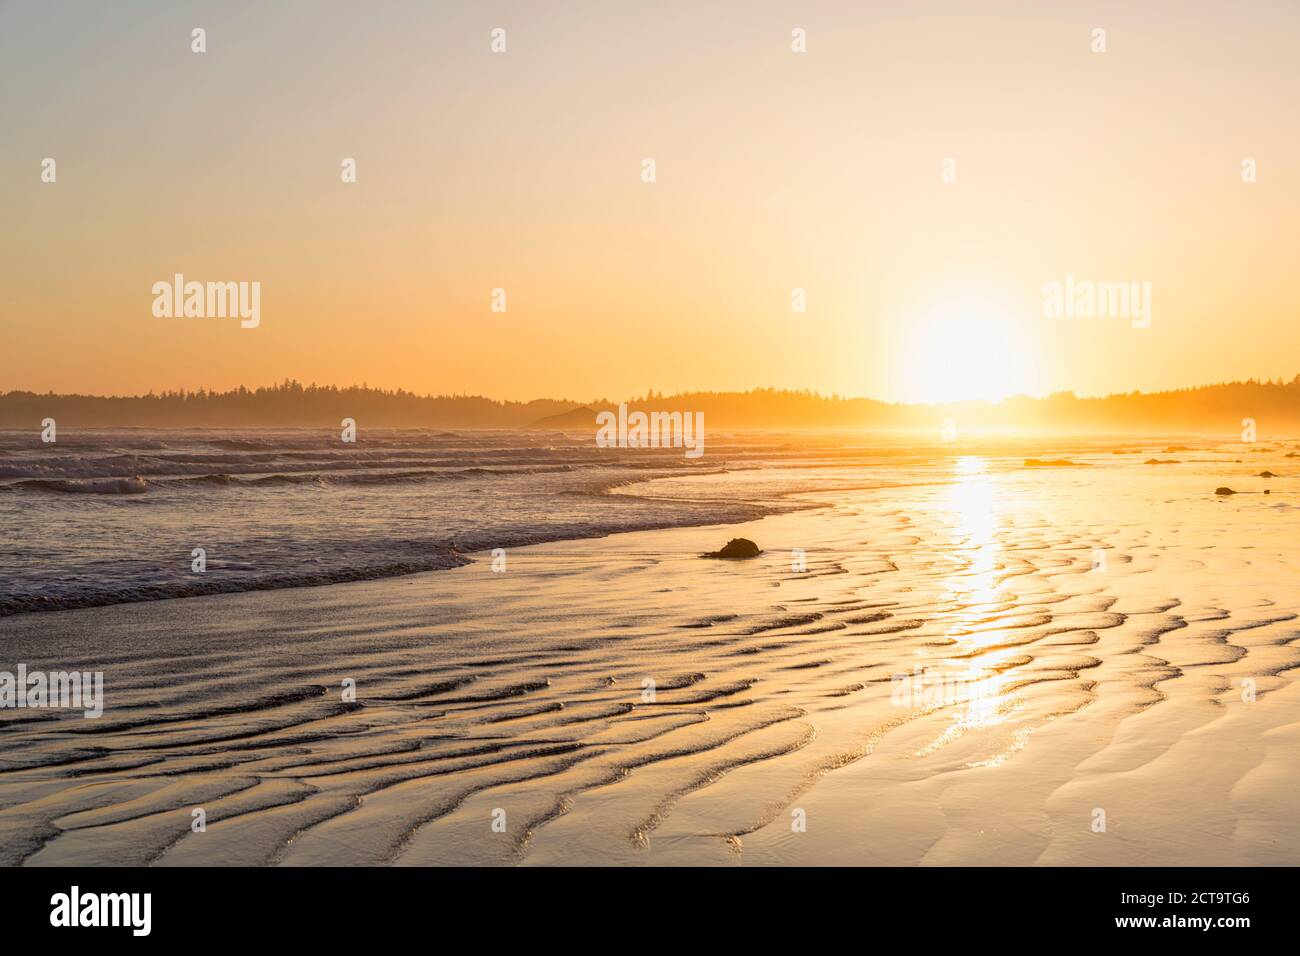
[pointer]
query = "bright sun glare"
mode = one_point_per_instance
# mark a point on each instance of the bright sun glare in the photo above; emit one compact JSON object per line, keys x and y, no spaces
{"x":966,"y":350}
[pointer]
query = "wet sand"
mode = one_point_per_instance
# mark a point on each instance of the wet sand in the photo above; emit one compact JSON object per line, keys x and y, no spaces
{"x":1075,"y":641}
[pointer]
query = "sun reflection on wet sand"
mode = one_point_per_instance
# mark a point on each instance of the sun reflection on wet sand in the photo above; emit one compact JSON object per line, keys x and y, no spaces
{"x":973,"y":512}
{"x":975,"y":670}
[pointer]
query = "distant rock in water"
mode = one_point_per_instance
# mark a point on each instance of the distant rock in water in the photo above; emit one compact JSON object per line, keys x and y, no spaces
{"x":1173,"y":448}
{"x":736,"y":548}
{"x":1162,"y":461}
{"x":576,"y":419}
{"x":1053,"y":463}
{"x":1267,"y":474}
{"x":1224,"y":490}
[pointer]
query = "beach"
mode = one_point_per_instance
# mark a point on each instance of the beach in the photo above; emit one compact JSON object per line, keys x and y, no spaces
{"x":938,"y":660}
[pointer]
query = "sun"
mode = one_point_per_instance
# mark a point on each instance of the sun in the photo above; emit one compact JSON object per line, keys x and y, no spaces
{"x":968,"y":349}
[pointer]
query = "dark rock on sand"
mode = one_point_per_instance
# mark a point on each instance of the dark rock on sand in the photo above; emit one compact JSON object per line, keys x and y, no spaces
{"x":1267,"y":474}
{"x":1224,"y":490}
{"x":736,"y":548}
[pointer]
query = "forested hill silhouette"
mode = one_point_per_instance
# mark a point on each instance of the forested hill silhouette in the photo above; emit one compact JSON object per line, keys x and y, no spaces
{"x":287,"y":404}
{"x":1273,"y":406}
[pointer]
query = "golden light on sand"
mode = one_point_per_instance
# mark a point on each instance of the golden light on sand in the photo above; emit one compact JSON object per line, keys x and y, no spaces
{"x":967,"y":349}
{"x":975,"y":517}
{"x":974,"y":587}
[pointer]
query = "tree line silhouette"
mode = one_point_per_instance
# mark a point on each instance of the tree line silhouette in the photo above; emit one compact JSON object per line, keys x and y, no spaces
{"x":1272,"y":405}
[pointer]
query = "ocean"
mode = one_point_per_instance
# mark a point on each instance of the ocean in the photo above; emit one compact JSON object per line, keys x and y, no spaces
{"x":112,"y":516}
{"x":120,"y":515}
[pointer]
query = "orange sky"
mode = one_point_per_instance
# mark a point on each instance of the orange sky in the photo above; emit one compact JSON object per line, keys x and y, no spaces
{"x":775,"y":170}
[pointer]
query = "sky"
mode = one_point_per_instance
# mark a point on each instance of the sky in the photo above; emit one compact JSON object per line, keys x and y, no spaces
{"x":922,"y":172}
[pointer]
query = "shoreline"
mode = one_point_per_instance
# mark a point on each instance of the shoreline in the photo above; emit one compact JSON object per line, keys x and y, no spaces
{"x":448,"y":556}
{"x":746,"y":506}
